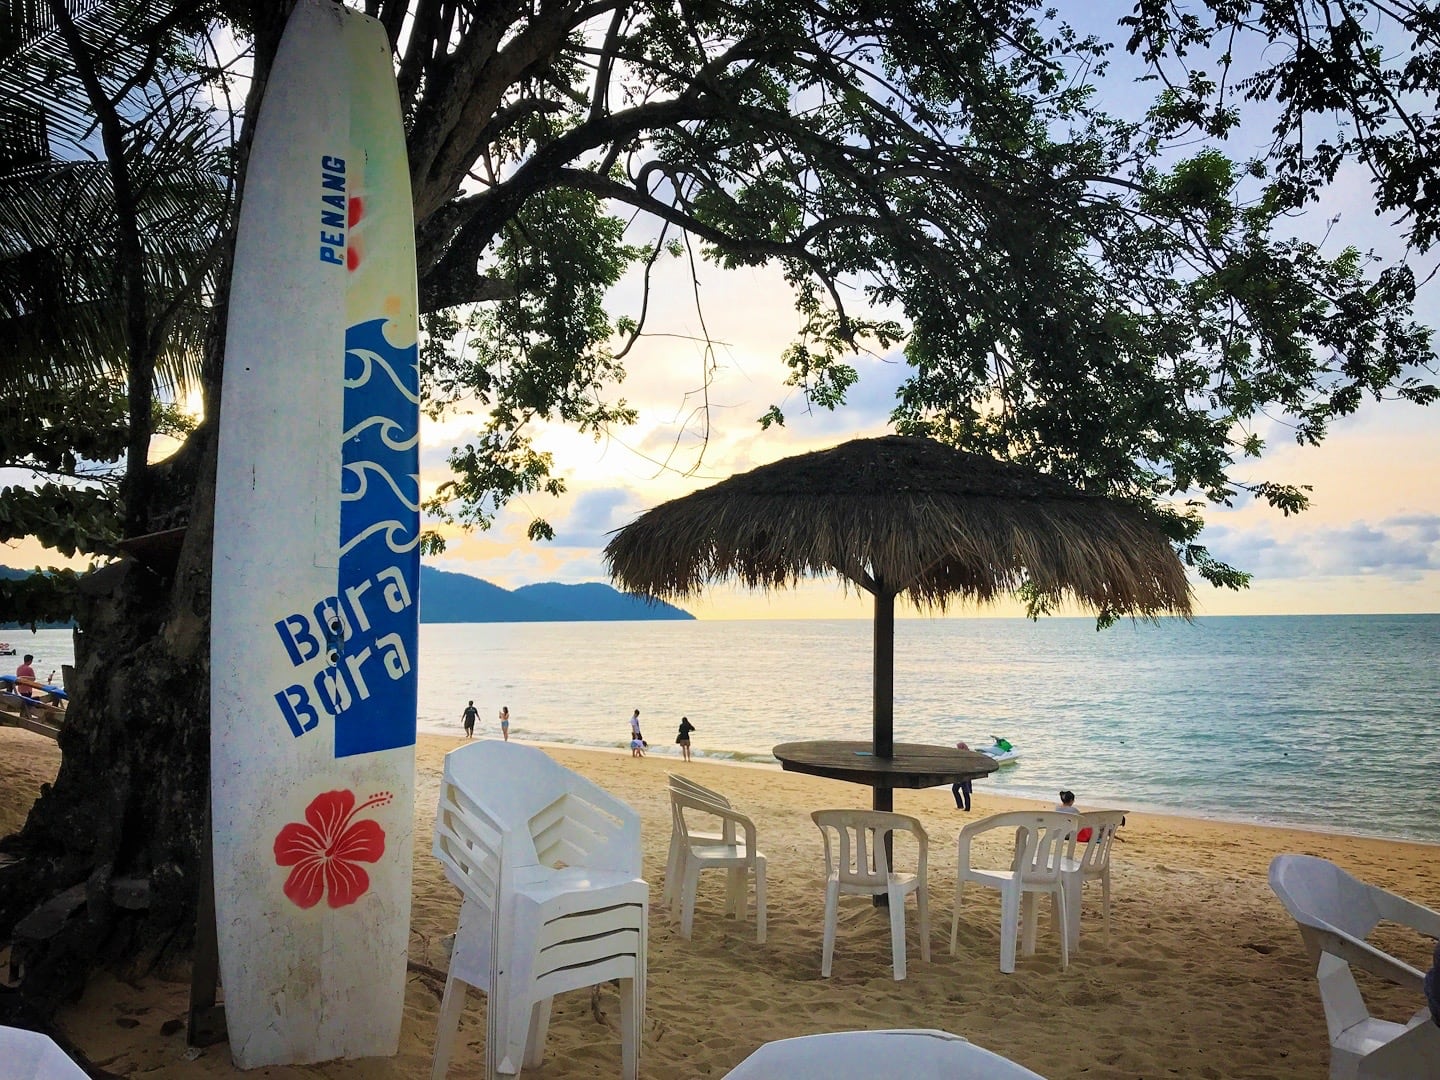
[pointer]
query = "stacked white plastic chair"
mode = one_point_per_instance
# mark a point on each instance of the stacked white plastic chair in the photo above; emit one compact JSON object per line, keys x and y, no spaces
{"x":915,"y":1054}
{"x":725,"y":840}
{"x":1035,"y":866}
{"x":686,"y":786}
{"x":1336,"y":913}
{"x":548,"y":865}
{"x":1091,"y":864}
{"x":856,"y":863}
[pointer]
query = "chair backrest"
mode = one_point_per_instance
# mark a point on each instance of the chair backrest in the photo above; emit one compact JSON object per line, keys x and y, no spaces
{"x":851,"y":1055}
{"x":686,"y":786}
{"x":1041,"y":840}
{"x":29,"y":1055}
{"x":857,"y":837}
{"x":727,"y":816}
{"x":507,"y":805}
{"x":1095,"y":855}
{"x":1321,"y":896}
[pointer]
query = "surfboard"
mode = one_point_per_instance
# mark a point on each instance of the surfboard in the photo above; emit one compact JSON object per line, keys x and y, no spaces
{"x":316,"y":561}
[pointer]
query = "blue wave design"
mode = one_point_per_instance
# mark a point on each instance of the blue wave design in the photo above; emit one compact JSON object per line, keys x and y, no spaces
{"x":380,"y":537}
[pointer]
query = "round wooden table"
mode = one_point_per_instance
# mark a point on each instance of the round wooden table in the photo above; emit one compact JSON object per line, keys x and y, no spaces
{"x":913,"y":765}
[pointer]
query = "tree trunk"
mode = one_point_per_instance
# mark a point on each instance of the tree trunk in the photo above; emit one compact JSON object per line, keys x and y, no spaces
{"x":105,"y":869}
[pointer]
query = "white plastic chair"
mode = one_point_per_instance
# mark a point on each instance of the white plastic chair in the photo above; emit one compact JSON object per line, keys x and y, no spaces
{"x":686,"y":786}
{"x":548,"y":865}
{"x":916,"y":1054}
{"x":1093,"y":864}
{"x":1035,"y":868}
{"x":1335,"y":913}
{"x":31,"y":1055}
{"x":862,"y":868}
{"x":701,"y":850}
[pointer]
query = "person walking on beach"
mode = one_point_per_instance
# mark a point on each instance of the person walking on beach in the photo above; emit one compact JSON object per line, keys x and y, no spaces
{"x":635,"y":729}
{"x":683,"y":739}
{"x":505,"y":722}
{"x":961,"y":789}
{"x":637,"y":746}
{"x":468,"y":718}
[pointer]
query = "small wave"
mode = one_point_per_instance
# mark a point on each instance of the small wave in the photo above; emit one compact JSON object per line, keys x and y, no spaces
{"x":404,"y":441}
{"x":358,"y":470}
{"x":392,"y":529}
{"x":370,"y":360}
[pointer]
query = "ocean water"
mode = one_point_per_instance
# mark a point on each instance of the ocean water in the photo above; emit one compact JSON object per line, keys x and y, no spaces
{"x":1329,"y":722}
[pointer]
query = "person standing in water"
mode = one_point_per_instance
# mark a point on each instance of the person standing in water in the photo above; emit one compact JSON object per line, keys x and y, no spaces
{"x":683,"y":739}
{"x":505,"y":722}
{"x":25,"y":671}
{"x":962,"y":789}
{"x":468,"y":718}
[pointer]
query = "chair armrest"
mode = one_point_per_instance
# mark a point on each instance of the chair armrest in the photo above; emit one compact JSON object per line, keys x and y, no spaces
{"x":730,"y":818}
{"x":733,"y":818}
{"x":1366,"y":957}
{"x":1408,"y":913}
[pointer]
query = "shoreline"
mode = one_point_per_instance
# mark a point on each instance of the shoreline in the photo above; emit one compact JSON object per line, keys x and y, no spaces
{"x":1203,"y":975}
{"x":1148,"y":809}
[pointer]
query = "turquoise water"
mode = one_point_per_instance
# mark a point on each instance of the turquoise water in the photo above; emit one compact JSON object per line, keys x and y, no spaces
{"x":1321,"y":721}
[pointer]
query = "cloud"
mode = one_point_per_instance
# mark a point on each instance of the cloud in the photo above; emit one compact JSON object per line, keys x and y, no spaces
{"x":1402,"y":548}
{"x":593,"y":515}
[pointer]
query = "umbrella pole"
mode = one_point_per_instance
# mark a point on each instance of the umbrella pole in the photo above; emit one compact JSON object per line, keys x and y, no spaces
{"x":882,"y":730}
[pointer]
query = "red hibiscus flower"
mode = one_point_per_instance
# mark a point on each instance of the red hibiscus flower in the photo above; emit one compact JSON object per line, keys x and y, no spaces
{"x":328,"y":847}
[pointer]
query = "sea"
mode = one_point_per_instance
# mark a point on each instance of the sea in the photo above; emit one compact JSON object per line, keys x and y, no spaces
{"x":1322,"y":722}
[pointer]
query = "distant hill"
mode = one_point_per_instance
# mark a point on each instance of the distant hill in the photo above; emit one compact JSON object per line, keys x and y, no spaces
{"x":447,"y":597}
{"x":453,"y":598}
{"x":599,"y":602}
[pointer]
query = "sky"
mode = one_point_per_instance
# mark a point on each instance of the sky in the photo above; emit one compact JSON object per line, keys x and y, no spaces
{"x":1369,"y":543}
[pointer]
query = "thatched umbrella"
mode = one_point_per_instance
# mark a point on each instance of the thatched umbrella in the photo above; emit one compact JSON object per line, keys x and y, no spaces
{"x":904,"y":516}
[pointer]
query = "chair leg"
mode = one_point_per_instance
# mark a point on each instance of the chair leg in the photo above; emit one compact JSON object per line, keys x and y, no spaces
{"x":955,"y":918}
{"x":897,"y":933}
{"x":535,"y":1037}
{"x":682,"y":868}
{"x":827,"y":950}
{"x":737,"y":892}
{"x":1058,"y":912}
{"x":1009,"y":927}
{"x":452,"y":1004}
{"x":672,"y":868}
{"x":1105,"y":902}
{"x":1031,"y":923}
{"x":759,"y":900}
{"x":632,"y":1009}
{"x":687,"y":897}
{"x":922,"y":908}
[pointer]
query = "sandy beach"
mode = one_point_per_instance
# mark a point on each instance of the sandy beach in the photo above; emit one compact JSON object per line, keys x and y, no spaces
{"x":1205,"y":975}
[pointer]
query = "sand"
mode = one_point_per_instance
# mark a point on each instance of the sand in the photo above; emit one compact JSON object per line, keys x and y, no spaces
{"x":1205,"y":974}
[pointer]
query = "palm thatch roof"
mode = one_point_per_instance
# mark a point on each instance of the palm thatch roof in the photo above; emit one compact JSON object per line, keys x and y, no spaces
{"x":905,"y":516}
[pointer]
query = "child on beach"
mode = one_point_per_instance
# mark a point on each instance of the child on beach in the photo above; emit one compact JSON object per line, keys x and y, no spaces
{"x":505,"y":722}
{"x":1067,"y":806}
{"x":637,"y":747}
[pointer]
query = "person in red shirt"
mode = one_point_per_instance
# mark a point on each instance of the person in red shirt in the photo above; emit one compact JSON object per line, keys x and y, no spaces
{"x":23,"y":672}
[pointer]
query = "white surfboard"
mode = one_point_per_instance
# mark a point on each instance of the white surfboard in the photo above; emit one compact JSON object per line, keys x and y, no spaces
{"x":316,"y":561}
